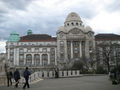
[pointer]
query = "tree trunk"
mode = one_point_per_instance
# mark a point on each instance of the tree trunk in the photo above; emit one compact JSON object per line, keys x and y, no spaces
{"x":108,"y":65}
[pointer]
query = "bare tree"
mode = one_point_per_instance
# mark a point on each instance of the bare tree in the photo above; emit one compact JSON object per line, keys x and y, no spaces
{"x":106,"y":51}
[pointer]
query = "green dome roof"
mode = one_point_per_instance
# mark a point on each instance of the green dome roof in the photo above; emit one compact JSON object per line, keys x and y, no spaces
{"x":14,"y":37}
{"x":29,"y":32}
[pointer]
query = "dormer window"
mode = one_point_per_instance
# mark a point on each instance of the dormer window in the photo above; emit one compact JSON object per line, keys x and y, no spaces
{"x":80,"y":24}
{"x":72,"y":24}
{"x":67,"y":24}
{"x":77,"y":24}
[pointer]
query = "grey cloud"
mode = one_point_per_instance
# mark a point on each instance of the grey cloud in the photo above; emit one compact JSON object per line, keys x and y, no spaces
{"x":2,"y":19}
{"x":41,"y":23}
{"x":7,"y":5}
{"x":85,"y":10}
{"x":39,"y":26}
{"x":2,"y":11}
{"x":16,"y":4}
{"x":5,"y":21}
{"x":115,"y":6}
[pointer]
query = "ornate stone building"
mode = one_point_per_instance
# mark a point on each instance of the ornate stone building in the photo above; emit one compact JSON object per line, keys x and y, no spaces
{"x":73,"y":42}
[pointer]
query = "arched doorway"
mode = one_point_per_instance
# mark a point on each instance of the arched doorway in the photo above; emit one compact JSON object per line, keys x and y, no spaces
{"x":44,"y":59}
{"x":28,"y":59}
{"x":36,"y":59}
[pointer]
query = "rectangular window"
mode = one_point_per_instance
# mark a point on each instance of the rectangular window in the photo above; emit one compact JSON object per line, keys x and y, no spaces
{"x":44,"y":49}
{"x":61,"y":43}
{"x":36,"y":49}
{"x":29,"y":49}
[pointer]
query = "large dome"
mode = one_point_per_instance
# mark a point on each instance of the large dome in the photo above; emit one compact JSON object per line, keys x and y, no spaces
{"x":73,"y":17}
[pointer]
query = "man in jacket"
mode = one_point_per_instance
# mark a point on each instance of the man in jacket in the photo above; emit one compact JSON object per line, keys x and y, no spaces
{"x":16,"y":77}
{"x":9,"y":77}
{"x":26,"y":75}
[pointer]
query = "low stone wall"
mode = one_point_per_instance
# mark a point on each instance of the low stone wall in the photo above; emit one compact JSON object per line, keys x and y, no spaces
{"x":61,"y":74}
{"x":3,"y":80}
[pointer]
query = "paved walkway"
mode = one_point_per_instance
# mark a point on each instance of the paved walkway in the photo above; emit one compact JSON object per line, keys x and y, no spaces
{"x":80,"y":83}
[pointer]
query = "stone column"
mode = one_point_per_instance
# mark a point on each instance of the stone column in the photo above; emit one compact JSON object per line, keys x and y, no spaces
{"x":80,"y":50}
{"x":24,"y":59}
{"x":55,"y":57}
{"x":48,"y":58}
{"x":14,"y":57}
{"x":58,"y":49}
{"x":87,"y":49}
{"x":71,"y":49}
{"x":8,"y":53}
{"x":17,"y":55}
{"x":32,"y":59}
{"x":66,"y":54}
{"x":41,"y":59}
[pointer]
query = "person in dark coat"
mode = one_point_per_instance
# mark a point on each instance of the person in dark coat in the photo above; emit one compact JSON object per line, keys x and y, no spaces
{"x":56,"y":73}
{"x":26,"y":75}
{"x":9,"y":77}
{"x":16,"y":77}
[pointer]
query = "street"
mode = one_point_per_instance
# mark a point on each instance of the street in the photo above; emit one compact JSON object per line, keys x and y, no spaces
{"x":79,"y":83}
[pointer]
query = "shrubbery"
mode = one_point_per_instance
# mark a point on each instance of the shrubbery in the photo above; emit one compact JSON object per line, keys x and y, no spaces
{"x":101,"y":70}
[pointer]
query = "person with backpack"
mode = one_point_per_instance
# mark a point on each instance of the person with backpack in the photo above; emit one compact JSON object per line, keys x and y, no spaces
{"x":26,"y":75}
{"x":9,"y":77}
{"x":16,"y":77}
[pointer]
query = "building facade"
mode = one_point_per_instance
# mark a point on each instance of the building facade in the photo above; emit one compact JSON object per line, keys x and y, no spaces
{"x":107,"y":50}
{"x":73,"y":41}
{"x":32,"y":50}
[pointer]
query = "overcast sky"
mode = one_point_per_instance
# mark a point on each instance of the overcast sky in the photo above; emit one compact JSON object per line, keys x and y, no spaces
{"x":45,"y":16}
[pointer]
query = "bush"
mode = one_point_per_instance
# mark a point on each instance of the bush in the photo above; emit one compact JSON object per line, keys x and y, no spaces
{"x":100,"y":70}
{"x":77,"y":65}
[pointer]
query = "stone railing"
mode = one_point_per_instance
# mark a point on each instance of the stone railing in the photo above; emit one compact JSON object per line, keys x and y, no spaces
{"x":32,"y":79}
{"x":61,"y":74}
{"x":3,"y":80}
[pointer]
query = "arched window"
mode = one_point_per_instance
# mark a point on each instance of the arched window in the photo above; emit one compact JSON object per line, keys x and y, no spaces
{"x":36,"y":59}
{"x":28,"y":59}
{"x":44,"y":59}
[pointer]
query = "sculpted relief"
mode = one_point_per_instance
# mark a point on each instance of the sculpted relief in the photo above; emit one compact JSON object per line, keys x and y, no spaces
{"x":61,"y":34}
{"x":75,"y":34}
{"x":90,"y":34}
{"x":75,"y":31}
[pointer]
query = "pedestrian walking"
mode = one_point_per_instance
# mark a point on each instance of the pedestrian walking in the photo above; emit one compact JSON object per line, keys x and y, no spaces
{"x":9,"y":77}
{"x":26,"y":75}
{"x":56,"y":73}
{"x":16,"y":77}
